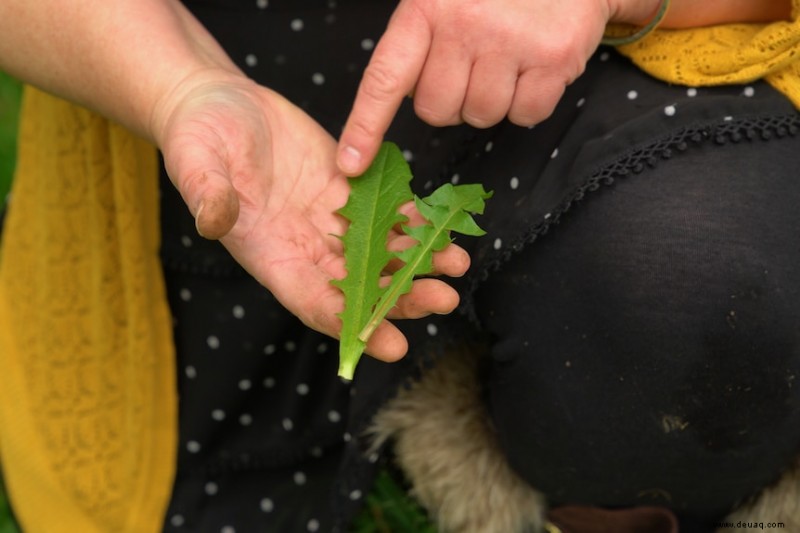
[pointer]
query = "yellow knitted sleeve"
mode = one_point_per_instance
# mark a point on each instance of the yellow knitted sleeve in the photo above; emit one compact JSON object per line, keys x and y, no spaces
{"x":726,"y":54}
{"x":88,"y":407}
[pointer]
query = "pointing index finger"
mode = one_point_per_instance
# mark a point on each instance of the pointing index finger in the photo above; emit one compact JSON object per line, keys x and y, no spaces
{"x":391,"y":74}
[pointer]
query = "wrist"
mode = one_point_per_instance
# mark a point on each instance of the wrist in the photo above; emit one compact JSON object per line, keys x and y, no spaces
{"x":633,"y":12}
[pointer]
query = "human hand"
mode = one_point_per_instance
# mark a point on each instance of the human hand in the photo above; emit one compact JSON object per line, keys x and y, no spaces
{"x":260,"y":175}
{"x":474,"y":61}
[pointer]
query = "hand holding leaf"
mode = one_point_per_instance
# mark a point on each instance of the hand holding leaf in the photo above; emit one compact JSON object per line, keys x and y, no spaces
{"x":372,"y":210}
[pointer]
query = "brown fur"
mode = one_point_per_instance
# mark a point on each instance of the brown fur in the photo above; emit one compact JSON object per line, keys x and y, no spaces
{"x":445,"y":445}
{"x":777,"y":504}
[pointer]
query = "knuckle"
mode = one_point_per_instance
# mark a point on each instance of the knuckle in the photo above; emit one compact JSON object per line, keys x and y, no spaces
{"x":477,"y":120}
{"x":380,"y":82}
{"x":436,"y":117}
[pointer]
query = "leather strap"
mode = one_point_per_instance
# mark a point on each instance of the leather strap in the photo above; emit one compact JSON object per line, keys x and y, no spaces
{"x":585,"y":519}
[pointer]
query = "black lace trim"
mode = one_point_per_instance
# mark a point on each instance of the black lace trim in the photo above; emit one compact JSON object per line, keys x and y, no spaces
{"x":762,"y":128}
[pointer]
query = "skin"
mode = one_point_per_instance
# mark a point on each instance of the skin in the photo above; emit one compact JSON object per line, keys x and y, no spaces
{"x":261,"y":175}
{"x":479,"y":61}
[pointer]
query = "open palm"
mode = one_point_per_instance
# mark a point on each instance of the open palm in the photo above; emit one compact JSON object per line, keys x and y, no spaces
{"x":260,"y":175}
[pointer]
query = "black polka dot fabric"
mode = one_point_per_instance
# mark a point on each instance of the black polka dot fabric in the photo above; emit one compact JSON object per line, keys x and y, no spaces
{"x":272,"y":440}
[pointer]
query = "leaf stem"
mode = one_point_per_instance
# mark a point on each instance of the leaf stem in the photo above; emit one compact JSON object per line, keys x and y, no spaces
{"x":390,"y":297}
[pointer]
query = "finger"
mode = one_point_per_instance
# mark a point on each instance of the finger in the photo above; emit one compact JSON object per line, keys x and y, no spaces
{"x":202,"y":180}
{"x":389,"y":77}
{"x":490,"y":92}
{"x":440,"y":91}
{"x":453,"y":261}
{"x":427,"y":296}
{"x":304,"y":288}
{"x":387,"y":343}
{"x":535,"y":97}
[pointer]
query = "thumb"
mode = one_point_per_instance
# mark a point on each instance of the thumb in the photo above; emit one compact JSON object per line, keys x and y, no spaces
{"x":217,"y":206}
{"x":390,"y":76}
{"x":202,"y":179}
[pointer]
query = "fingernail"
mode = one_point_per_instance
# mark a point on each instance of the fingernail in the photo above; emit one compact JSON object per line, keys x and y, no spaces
{"x":197,"y":218}
{"x":349,"y":160}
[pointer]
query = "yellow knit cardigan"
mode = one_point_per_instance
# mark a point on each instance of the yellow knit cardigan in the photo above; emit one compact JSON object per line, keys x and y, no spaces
{"x":88,"y":407}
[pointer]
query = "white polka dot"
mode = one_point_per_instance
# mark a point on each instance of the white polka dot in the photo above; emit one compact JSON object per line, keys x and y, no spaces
{"x":269,"y":349}
{"x":489,"y":146}
{"x":580,"y":102}
{"x":213,"y":342}
{"x":316,"y":451}
{"x":334,"y":416}
{"x":514,"y":183}
{"x":297,"y":24}
{"x":245,"y":419}
{"x":250,"y":60}
{"x":554,"y":154}
{"x":290,"y":346}
{"x":227,"y":529}
{"x":211,"y":488}
{"x":238,"y":311}
{"x":287,"y":424}
{"x":313,"y":525}
{"x":455,"y":179}
{"x":186,"y":241}
{"x":432,"y":329}
{"x":691,"y":92}
{"x":347,"y":437}
{"x":498,"y":243}
{"x":322,"y":347}
{"x":262,"y":4}
{"x":367,"y":44}
{"x":266,"y":505}
{"x":355,"y":495}
{"x":218,"y":415}
{"x":185,"y":295}
{"x":408,"y":155}
{"x":191,"y":372}
{"x":604,"y":56}
{"x":269,"y":383}
{"x":299,"y":478}
{"x":728,"y":118}
{"x":373,"y":457}
{"x":748,"y":91}
{"x":245,"y":384}
{"x":302,"y":389}
{"x":193,"y":446}
{"x":633,"y":95}
{"x":318,"y":78}
{"x":547,"y":215}
{"x":177,"y":520}
{"x":670,"y":110}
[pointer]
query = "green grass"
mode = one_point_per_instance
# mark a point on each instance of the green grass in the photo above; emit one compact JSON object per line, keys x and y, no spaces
{"x":10,"y":93}
{"x":390,"y":509}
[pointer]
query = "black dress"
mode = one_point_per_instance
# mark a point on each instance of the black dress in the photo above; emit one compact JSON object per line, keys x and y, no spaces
{"x":638,"y":282}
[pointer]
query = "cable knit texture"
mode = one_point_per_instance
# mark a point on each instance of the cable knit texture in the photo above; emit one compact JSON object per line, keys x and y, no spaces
{"x":87,"y":401}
